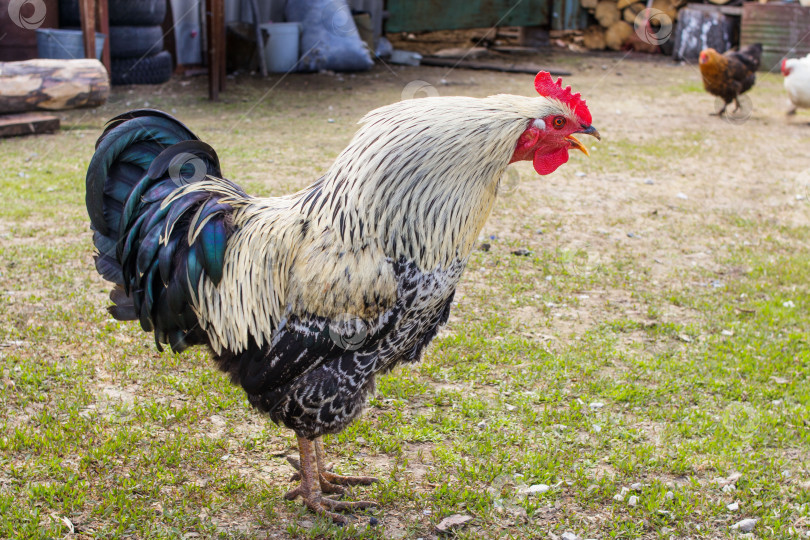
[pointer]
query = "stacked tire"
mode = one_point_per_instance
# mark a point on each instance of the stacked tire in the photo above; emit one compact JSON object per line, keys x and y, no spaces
{"x":136,"y":39}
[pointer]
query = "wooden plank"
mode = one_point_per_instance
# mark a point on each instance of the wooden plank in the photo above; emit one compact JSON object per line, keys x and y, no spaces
{"x":725,"y":10}
{"x":506,"y":68}
{"x":12,"y":125}
{"x":421,"y":15}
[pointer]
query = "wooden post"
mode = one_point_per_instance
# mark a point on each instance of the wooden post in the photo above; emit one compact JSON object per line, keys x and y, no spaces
{"x":220,"y":5}
{"x":103,"y":20}
{"x":215,"y":24}
{"x":87,"y":14}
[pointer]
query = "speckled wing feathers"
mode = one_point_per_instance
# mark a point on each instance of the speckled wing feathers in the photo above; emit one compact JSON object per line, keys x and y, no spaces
{"x":315,"y":380}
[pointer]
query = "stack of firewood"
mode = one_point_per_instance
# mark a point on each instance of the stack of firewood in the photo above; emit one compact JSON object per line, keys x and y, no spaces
{"x":616,"y":19}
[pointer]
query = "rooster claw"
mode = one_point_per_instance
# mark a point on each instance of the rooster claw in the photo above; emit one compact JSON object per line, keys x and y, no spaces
{"x":316,"y":480}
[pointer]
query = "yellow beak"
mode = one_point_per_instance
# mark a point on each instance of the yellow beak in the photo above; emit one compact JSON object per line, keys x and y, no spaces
{"x":576,"y":144}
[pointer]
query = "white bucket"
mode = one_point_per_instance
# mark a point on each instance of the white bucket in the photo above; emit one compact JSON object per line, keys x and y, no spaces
{"x":281,"y":47}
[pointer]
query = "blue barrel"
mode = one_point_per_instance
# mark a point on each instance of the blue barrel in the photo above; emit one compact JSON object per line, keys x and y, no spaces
{"x":64,"y":44}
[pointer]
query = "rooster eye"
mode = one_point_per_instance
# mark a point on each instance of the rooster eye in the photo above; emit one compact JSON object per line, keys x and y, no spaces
{"x":558,"y":122}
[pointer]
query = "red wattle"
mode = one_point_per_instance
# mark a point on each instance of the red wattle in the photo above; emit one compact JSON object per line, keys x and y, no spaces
{"x":548,"y":163}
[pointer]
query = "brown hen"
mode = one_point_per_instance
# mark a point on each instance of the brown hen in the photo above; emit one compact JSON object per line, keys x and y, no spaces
{"x":730,"y":74}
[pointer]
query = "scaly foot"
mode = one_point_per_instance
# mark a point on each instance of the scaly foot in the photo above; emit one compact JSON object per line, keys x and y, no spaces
{"x":311,"y":464}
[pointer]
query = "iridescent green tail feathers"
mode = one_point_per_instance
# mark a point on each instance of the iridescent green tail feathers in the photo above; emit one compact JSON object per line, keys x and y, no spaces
{"x":160,"y":213}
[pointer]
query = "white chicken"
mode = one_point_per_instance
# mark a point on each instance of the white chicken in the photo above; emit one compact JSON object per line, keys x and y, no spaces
{"x":797,"y":82}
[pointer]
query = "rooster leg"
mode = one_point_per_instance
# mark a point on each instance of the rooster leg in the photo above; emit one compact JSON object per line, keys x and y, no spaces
{"x":308,"y":490}
{"x":331,"y":482}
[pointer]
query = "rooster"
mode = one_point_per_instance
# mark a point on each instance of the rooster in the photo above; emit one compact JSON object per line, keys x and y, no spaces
{"x":730,"y":74}
{"x":304,"y":299}
{"x":797,"y":82}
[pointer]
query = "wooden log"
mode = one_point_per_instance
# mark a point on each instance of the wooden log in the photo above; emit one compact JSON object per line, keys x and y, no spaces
{"x":621,"y":4}
{"x":669,"y":7}
{"x":12,"y":125}
{"x":593,"y":38}
{"x":52,"y":85}
{"x":588,"y":4}
{"x":617,"y":34}
{"x":607,"y":13}
{"x":631,"y":12}
{"x":505,"y":68}
{"x":698,"y":29}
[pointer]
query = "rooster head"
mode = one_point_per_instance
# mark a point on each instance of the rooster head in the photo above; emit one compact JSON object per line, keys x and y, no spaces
{"x":785,"y":67}
{"x":546,"y":140}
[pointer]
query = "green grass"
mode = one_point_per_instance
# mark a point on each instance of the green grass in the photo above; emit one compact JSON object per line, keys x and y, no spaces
{"x":585,"y":366}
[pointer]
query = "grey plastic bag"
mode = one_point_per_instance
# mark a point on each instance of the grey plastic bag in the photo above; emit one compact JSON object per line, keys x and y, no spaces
{"x":329,"y":39}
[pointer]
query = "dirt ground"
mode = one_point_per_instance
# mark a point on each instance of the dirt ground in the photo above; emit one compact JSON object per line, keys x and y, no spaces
{"x":669,"y":187}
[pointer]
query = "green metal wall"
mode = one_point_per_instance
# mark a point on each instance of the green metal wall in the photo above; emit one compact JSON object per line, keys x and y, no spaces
{"x":422,"y":15}
{"x":780,"y":28}
{"x":568,"y":15}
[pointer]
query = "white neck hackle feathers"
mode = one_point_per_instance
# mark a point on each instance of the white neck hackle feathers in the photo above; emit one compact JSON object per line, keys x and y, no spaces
{"x":417,"y":181}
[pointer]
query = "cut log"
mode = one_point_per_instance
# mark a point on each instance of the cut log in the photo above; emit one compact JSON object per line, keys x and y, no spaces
{"x":617,"y":34}
{"x":52,"y":85}
{"x":607,"y":13}
{"x":699,"y":29}
{"x":462,"y":52}
{"x":588,"y":4}
{"x":669,"y":7}
{"x":593,"y":38}
{"x":621,"y":4}
{"x":12,"y":125}
{"x":631,"y":12}
{"x":506,"y":68}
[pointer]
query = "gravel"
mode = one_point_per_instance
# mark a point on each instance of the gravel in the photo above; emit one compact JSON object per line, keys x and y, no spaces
{"x":537,"y":488}
{"x":746,"y":525}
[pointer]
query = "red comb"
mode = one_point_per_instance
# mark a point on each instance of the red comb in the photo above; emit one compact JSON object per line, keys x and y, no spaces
{"x":546,"y":87}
